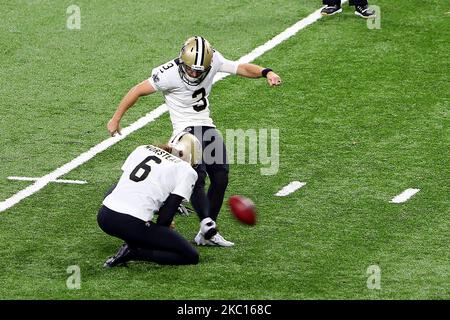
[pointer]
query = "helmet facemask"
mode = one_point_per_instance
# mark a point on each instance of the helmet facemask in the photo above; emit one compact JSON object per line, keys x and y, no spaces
{"x":192,"y":81}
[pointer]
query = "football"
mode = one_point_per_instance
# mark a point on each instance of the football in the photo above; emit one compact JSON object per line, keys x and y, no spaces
{"x":243,"y":209}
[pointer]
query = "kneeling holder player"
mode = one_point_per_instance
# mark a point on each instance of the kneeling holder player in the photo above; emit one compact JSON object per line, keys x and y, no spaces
{"x":154,"y":180}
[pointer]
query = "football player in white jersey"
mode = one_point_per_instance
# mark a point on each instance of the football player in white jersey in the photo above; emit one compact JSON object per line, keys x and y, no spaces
{"x":154,"y":180}
{"x":186,"y":83}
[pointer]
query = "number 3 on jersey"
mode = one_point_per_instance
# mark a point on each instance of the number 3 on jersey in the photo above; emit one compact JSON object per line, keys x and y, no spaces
{"x":203,"y":102}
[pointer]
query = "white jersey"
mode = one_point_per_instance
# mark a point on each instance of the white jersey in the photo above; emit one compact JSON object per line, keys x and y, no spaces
{"x":188,"y":105}
{"x":149,"y":176}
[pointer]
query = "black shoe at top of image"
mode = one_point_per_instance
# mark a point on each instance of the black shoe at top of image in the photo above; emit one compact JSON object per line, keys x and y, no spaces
{"x":120,"y":257}
{"x":365,"y":12}
{"x":330,"y":10}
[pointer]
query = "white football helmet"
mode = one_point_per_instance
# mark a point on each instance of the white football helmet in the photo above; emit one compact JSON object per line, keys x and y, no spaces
{"x":187,"y":147}
{"x":195,"y":58}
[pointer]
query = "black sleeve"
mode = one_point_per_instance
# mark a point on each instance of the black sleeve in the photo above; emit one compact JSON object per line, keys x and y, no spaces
{"x":169,"y":209}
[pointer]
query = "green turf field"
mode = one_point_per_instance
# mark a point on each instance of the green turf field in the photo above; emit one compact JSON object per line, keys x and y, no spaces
{"x":363,"y":115}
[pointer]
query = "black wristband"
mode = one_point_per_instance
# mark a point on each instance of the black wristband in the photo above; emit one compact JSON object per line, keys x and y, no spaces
{"x":265,"y":72}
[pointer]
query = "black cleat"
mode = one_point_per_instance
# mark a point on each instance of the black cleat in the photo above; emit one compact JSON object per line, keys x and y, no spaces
{"x":330,"y":10}
{"x":121,"y":256}
{"x":365,"y":12}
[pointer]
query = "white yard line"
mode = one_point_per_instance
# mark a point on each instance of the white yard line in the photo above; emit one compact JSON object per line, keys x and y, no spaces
{"x":290,"y":188}
{"x":82,"y":158}
{"x":57,"y":181}
{"x":152,"y":116}
{"x":404,"y":196}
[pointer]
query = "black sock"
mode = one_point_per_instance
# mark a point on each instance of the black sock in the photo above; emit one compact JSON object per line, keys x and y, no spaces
{"x":199,"y":200}
{"x":216,"y":192}
{"x":332,"y":2}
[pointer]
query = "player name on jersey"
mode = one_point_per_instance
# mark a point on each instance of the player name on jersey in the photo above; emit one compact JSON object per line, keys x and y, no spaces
{"x":163,"y":154}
